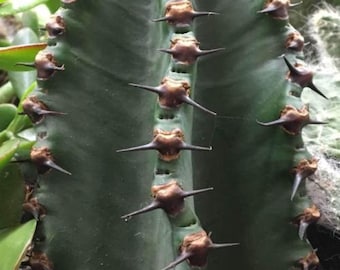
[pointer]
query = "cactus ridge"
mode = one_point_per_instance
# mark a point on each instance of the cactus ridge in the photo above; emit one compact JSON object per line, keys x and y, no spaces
{"x":184,"y":51}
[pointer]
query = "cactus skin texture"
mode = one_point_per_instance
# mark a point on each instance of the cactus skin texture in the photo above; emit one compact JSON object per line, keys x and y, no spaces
{"x":252,"y":168}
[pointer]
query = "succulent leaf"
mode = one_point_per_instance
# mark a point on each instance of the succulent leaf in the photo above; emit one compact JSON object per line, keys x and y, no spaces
{"x":14,"y":242}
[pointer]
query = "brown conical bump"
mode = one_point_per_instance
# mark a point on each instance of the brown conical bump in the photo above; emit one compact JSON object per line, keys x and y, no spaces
{"x":39,"y":156}
{"x":46,"y":65}
{"x":295,"y":119}
{"x":198,"y":245}
{"x":309,"y":262}
{"x":170,"y":196}
{"x":40,"y":261}
{"x":292,"y":120}
{"x":195,"y":248}
{"x":173,"y":92}
{"x":302,"y":76}
{"x":43,"y":159}
{"x":309,"y":215}
{"x":278,"y":9}
{"x":295,"y":41}
{"x":30,"y":106}
{"x":55,"y":26}
{"x":180,"y":13}
{"x":185,"y":49}
{"x":169,"y":143}
{"x":306,"y":167}
{"x":31,"y":204}
{"x":36,"y":109}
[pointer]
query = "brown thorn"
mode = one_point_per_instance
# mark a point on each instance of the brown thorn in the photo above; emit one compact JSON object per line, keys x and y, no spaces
{"x":277,"y":9}
{"x":195,"y":192}
{"x":180,"y":13}
{"x":46,"y":65}
{"x":295,"y":41}
{"x":310,"y":215}
{"x":186,"y":146}
{"x":315,"y":89}
{"x":189,"y":101}
{"x":297,"y":180}
{"x":149,"y":146}
{"x":32,"y":65}
{"x":162,"y":19}
{"x":181,"y":258}
{"x":152,"y":206}
{"x":198,"y":245}
{"x":292,"y":120}
{"x":168,"y":144}
{"x":268,"y":9}
{"x":304,"y":169}
{"x":302,"y":77}
{"x":172,"y":93}
{"x":35,"y":109}
{"x":169,"y":197}
{"x":185,"y":50}
{"x":206,"y":52}
{"x":204,"y":13}
{"x":44,"y":112}
{"x":296,"y":4}
{"x":43,"y":159}
{"x":51,"y":164}
{"x":302,"y":229}
{"x":273,"y":123}
{"x":149,"y":88}
{"x":169,"y":51}
{"x":291,"y":68}
{"x":216,"y":246}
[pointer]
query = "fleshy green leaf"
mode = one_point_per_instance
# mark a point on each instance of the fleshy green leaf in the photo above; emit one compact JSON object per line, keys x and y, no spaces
{"x":12,"y":197}
{"x":6,"y":92}
{"x":22,"y":80}
{"x":13,"y":244}
{"x":10,"y":56}
{"x":7,"y":151}
{"x":15,"y":6}
{"x":7,"y":112}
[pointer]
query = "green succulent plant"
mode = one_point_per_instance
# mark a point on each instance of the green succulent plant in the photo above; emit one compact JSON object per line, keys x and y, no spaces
{"x":245,"y":106}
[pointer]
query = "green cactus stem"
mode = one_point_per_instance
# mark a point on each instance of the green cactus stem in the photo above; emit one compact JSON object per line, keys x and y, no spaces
{"x":104,"y":50}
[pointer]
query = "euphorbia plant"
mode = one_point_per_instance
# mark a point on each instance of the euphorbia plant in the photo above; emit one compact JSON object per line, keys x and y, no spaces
{"x":109,"y":50}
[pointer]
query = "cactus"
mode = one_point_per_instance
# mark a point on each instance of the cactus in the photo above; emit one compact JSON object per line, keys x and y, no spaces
{"x":254,"y":173}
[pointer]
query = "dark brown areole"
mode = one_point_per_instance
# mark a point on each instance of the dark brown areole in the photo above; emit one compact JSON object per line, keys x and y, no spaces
{"x":180,"y":13}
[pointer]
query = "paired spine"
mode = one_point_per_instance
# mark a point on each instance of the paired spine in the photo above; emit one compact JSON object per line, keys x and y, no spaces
{"x":172,"y":135}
